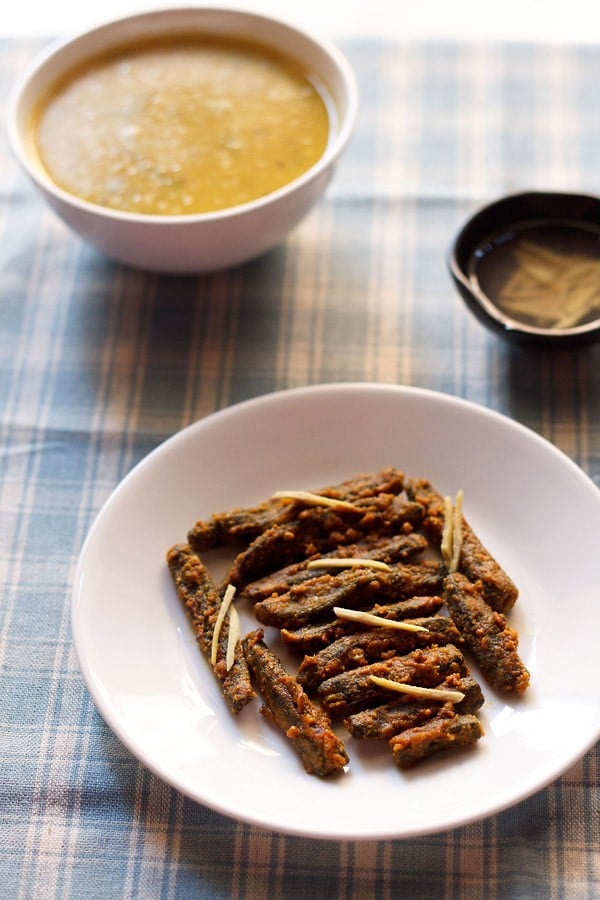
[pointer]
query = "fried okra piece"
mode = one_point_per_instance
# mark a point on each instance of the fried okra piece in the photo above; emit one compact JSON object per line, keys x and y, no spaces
{"x":350,"y":588}
{"x":372,"y":644}
{"x":238,"y":525}
{"x":303,"y":721}
{"x":391,"y":718}
{"x":386,"y":549}
{"x":491,"y":641}
{"x":202,"y":602}
{"x":443,"y":732}
{"x":342,"y":695}
{"x":319,"y":529}
{"x":312,"y":638}
{"x":475,"y":561}
{"x":245,"y":524}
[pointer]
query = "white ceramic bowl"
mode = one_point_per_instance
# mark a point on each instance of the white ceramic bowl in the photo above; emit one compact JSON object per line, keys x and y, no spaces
{"x":202,"y":242}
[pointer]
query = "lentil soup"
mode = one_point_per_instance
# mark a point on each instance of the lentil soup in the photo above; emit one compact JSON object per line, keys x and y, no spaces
{"x":183,"y":125}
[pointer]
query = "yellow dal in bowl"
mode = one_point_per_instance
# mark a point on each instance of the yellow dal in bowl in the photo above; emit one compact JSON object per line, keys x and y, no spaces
{"x":181,"y":126}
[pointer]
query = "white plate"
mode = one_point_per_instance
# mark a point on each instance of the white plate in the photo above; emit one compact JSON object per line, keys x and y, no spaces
{"x":533,"y":508}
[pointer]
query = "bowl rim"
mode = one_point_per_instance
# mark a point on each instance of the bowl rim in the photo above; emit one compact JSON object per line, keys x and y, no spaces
{"x":508,"y":324}
{"x":39,"y":176}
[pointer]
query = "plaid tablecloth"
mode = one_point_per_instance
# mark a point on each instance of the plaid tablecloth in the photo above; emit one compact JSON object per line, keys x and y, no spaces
{"x":98,"y":364}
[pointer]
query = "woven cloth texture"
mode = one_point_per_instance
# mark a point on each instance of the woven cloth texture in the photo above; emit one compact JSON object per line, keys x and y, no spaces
{"x":99,"y":364}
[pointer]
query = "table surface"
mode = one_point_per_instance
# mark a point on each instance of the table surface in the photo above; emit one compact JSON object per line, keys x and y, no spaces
{"x":99,"y":364}
{"x":556,"y":21}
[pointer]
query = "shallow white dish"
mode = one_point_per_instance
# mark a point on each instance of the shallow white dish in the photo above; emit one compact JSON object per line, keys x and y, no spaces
{"x":533,"y":508}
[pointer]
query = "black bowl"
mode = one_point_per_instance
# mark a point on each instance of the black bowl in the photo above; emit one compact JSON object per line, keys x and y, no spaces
{"x":493,"y":227}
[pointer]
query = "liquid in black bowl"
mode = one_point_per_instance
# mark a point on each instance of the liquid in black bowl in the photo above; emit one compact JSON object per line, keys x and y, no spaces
{"x":529,"y":267}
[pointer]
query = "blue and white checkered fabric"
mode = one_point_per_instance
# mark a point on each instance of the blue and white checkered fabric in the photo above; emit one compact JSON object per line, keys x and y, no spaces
{"x":98,"y":364}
